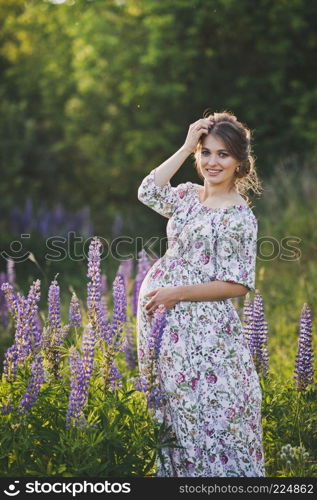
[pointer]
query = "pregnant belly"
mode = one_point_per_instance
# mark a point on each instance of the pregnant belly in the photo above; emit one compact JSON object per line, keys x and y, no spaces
{"x":168,"y":272}
{"x":171,"y":271}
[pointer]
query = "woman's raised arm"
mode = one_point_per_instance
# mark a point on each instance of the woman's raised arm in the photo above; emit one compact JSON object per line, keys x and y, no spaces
{"x":166,"y":170}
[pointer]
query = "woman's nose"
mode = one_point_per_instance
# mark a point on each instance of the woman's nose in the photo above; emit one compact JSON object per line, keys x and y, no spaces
{"x":212,"y":160}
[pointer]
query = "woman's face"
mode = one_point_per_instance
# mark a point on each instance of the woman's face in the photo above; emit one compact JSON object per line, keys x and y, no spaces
{"x":216,"y":164}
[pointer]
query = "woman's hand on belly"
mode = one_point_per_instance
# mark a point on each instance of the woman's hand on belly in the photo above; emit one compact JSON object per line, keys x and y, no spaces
{"x":168,"y":296}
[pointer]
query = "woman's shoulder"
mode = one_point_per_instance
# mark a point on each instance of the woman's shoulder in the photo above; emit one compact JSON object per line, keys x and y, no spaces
{"x":184,"y":189}
{"x":238,"y":219}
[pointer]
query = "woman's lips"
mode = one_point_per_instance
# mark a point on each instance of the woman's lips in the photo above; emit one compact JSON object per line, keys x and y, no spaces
{"x":213,"y":173}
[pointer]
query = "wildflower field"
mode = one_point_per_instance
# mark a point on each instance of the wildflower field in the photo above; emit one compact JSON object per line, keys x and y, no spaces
{"x":72,"y":403}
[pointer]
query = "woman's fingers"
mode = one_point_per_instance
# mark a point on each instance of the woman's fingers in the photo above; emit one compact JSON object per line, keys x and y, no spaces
{"x":149,"y":307}
{"x":202,"y":126}
{"x":203,"y":122}
{"x":196,"y":130}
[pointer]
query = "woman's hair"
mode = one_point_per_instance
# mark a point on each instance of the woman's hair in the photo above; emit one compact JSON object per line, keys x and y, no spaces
{"x":237,"y":139}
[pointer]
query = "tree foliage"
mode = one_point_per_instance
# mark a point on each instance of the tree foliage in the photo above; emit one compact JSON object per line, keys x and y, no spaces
{"x":95,"y":94}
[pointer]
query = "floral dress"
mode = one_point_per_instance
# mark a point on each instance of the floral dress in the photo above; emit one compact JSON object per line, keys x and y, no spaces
{"x":205,"y":369}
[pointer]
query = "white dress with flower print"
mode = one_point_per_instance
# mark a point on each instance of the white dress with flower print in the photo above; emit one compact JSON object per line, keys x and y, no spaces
{"x":205,"y":369}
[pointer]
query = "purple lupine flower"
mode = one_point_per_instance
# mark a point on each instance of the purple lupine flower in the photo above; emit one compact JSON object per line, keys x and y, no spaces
{"x":259,"y":336}
{"x":95,"y":306}
{"x":6,"y":408}
{"x":143,"y":266}
{"x":88,"y":350}
{"x":36,"y":333}
{"x":10,"y":271}
{"x":54,"y":312}
{"x":103,"y":326}
{"x":103,"y":308}
{"x":141,"y":384}
{"x":94,"y":287}
{"x":48,"y":222}
{"x":55,"y":333}
{"x":10,"y":363}
{"x":27,"y":335}
{"x":4,"y":309}
{"x":11,"y":299}
{"x":21,"y":339}
{"x":129,"y":348}
{"x":135,"y":296}
{"x":155,"y":398}
{"x":304,"y":367}
{"x":153,"y":350}
{"x":74,"y":313}
{"x":33,"y":389}
{"x":32,"y":318}
{"x":104,"y":284}
{"x":99,"y":318}
{"x":247,"y":316}
{"x":125,"y":269}
{"x":147,"y":382}
{"x":77,"y":397}
{"x":115,"y":377}
{"x":156,"y":333}
{"x":119,"y":316}
{"x":52,"y":343}
{"x":120,"y":297}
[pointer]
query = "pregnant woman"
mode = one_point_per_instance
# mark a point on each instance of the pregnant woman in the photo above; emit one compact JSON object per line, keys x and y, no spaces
{"x":212,"y":395}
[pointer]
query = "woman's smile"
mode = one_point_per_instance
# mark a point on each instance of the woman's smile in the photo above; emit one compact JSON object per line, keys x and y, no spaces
{"x":213,"y":172}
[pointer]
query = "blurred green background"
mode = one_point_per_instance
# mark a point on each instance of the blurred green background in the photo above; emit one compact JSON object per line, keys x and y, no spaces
{"x":94,"y":94}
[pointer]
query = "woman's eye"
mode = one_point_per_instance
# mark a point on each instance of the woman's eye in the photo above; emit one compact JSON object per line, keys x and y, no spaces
{"x":222,"y":155}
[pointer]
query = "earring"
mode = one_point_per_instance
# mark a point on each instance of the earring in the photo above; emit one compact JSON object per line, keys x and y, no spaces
{"x":237,"y":169}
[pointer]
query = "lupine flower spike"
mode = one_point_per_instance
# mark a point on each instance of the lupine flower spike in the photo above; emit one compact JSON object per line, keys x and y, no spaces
{"x":304,"y":370}
{"x":74,"y":311}
{"x":28,"y":336}
{"x":129,"y":348}
{"x":33,"y":389}
{"x":259,"y":336}
{"x":143,"y":266}
{"x":78,"y":396}
{"x":148,"y":381}
{"x":4,"y":309}
{"x":247,"y":315}
{"x":54,"y":335}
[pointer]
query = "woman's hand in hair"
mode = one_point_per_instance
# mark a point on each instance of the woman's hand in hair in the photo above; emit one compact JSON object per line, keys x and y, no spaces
{"x":195,"y":131}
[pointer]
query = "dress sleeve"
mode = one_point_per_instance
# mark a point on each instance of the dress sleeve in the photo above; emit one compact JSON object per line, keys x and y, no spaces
{"x":236,"y":249}
{"x":163,"y":200}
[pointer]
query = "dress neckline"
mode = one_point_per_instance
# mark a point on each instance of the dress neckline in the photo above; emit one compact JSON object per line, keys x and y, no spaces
{"x":217,"y":208}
